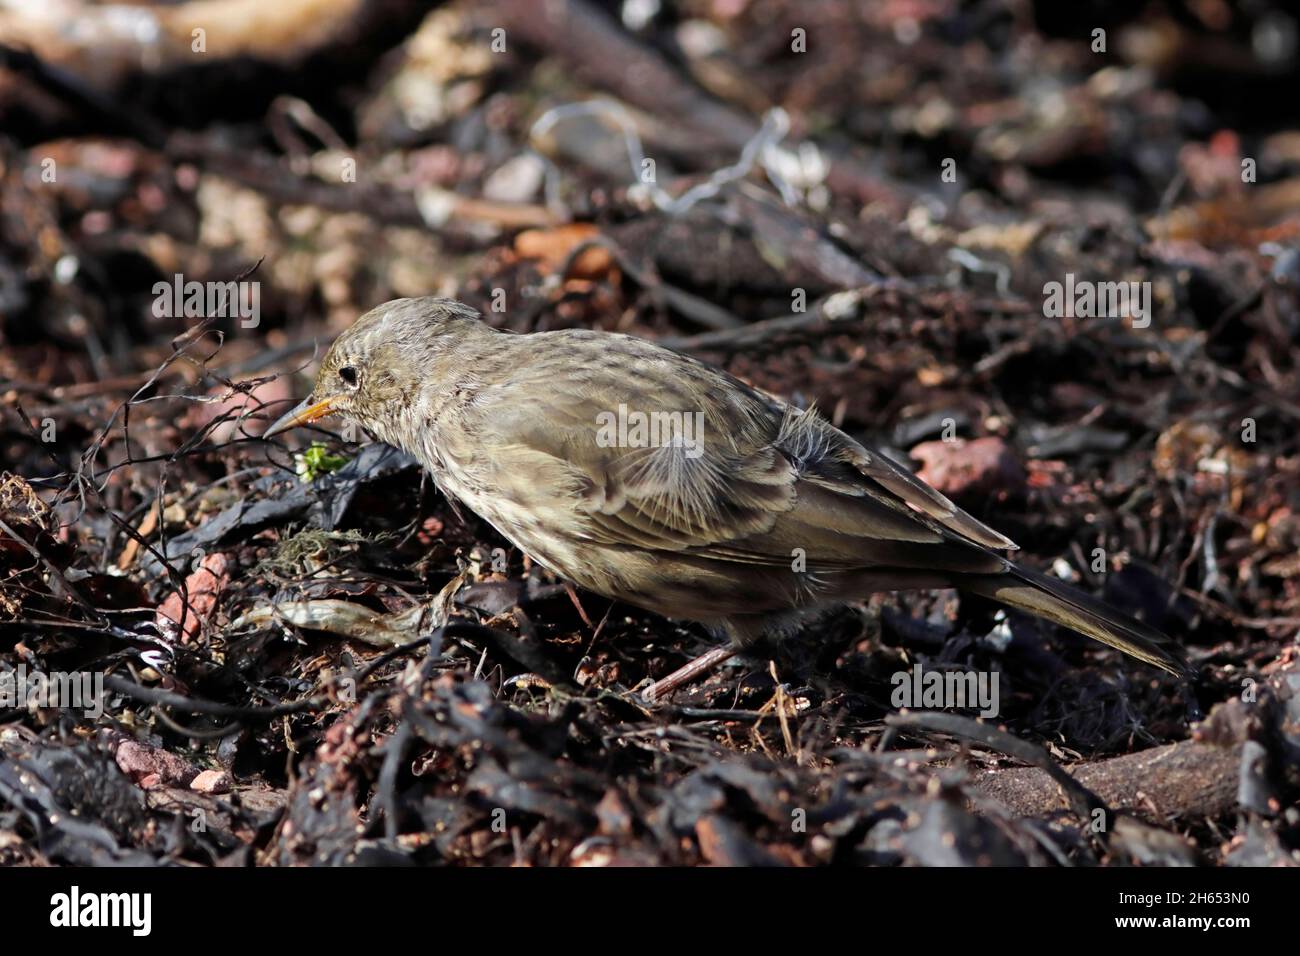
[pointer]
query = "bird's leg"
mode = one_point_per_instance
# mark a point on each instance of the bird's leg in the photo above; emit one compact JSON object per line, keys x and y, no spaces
{"x":573,"y":596}
{"x":688,"y":672}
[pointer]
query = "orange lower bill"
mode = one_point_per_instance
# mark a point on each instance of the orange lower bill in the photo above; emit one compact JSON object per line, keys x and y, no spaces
{"x":304,"y":413}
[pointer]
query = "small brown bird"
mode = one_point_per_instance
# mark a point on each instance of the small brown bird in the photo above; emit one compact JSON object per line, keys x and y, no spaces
{"x":646,"y":476}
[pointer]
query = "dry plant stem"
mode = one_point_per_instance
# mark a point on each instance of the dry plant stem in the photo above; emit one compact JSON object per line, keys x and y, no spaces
{"x":1187,"y":779}
{"x":704,"y":664}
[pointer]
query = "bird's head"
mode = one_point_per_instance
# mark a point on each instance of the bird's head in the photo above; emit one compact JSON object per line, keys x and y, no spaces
{"x":376,"y":372}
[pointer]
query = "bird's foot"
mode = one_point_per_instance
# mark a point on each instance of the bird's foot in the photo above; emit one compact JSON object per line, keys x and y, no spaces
{"x":687,"y":673}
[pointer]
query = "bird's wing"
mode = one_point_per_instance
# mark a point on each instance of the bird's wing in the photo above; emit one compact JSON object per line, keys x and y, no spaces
{"x":729,"y":473}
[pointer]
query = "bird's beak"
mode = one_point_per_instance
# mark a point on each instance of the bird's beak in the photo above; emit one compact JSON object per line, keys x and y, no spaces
{"x":304,"y":413}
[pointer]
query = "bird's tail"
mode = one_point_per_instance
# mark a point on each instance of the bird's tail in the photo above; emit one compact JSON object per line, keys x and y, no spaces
{"x":1051,"y":599}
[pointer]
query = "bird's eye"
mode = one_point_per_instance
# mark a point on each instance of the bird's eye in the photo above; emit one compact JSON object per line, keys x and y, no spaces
{"x":349,"y":376}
